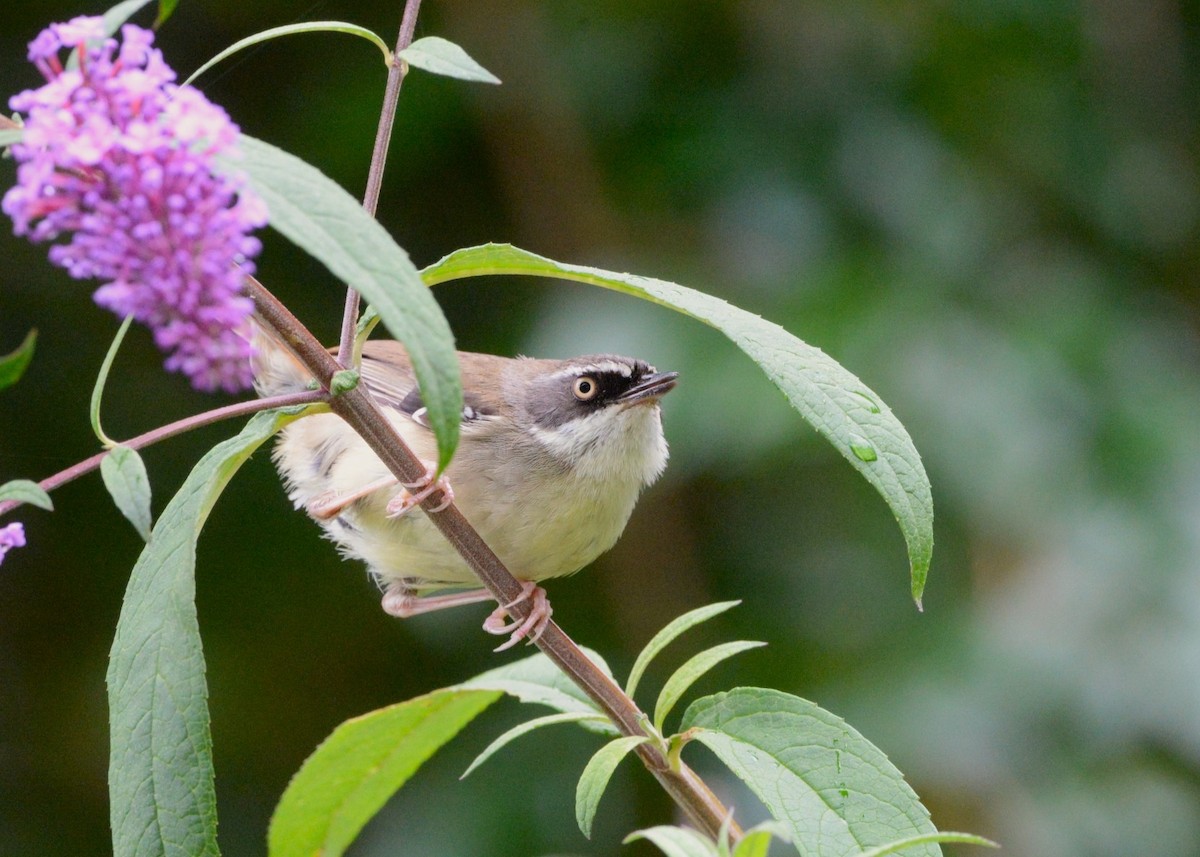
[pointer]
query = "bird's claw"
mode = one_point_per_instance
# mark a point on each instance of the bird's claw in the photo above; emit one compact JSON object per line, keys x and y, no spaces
{"x":531,"y":627}
{"x":415,"y":493}
{"x":325,"y":506}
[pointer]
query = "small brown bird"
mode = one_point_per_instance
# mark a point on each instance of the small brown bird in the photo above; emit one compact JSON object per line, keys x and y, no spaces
{"x":552,"y":457}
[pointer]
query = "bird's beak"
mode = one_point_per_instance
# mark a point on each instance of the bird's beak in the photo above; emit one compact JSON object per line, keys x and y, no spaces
{"x":650,"y":388}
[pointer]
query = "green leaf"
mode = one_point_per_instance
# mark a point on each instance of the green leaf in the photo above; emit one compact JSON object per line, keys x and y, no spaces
{"x":522,"y":729}
{"x":25,"y":491}
{"x":343,"y":381}
{"x":14,"y":364}
{"x":125,"y":477}
{"x":324,"y":220}
{"x":835,"y":791}
{"x":102,"y":379}
{"x":840,"y":406}
{"x":160,"y":770}
{"x":757,"y":840}
{"x":596,"y":774}
{"x":696,"y":666}
{"x":668,"y":635}
{"x":439,"y":56}
{"x":755,"y":844}
{"x":9,"y":136}
{"x":122,"y":12}
{"x":165,"y":10}
{"x":725,"y":829}
{"x":900,"y":844}
{"x":360,"y":765}
{"x":537,"y":680}
{"x":291,"y":30}
{"x":676,"y":841}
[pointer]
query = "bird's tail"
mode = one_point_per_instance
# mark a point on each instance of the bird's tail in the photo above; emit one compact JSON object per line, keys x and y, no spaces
{"x":277,"y":369}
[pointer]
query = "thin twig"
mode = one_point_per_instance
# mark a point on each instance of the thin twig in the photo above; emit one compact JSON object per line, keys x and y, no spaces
{"x":383,"y":136}
{"x":362,"y":414}
{"x":240,"y":409}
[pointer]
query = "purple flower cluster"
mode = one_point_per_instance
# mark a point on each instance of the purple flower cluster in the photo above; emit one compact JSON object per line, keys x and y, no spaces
{"x":11,"y":536}
{"x":120,"y":158}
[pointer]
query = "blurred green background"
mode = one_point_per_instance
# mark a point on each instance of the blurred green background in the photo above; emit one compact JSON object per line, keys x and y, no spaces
{"x":987,"y":209}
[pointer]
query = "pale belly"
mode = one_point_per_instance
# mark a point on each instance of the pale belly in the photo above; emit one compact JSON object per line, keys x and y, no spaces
{"x":557,"y":530}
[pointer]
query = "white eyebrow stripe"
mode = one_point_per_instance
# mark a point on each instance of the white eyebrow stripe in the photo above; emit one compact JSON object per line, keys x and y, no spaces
{"x":601,"y":367}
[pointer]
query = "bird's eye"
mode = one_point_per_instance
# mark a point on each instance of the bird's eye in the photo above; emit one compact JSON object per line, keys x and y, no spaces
{"x":585,"y":388}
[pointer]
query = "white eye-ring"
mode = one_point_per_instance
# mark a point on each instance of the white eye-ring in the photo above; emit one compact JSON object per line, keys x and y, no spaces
{"x":585,"y":388}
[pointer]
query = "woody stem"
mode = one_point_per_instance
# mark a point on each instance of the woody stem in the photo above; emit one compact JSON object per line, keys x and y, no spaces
{"x":362,"y":414}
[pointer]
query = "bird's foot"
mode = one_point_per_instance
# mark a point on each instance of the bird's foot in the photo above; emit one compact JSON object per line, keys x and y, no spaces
{"x":531,"y":627}
{"x":330,"y":504}
{"x":415,"y":493}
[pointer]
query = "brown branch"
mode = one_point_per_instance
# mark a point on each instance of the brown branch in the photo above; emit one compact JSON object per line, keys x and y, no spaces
{"x":362,"y":414}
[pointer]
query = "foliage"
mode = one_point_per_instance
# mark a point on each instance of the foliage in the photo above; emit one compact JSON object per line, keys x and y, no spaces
{"x":161,"y":770}
{"x":830,"y":789}
{"x":14,"y":364}
{"x":985,"y":210}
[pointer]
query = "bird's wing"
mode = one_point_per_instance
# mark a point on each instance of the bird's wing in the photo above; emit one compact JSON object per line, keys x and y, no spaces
{"x":389,"y":377}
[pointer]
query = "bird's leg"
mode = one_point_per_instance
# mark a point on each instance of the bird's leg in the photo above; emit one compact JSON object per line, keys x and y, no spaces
{"x":400,"y":601}
{"x":531,"y":627}
{"x":330,"y":504}
{"x":415,"y":492}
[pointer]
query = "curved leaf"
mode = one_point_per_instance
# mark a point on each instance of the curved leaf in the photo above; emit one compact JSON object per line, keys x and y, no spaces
{"x":291,"y":30}
{"x":102,"y":379}
{"x":675,"y":841}
{"x":350,"y":776}
{"x":315,"y":213}
{"x":160,"y":770}
{"x":537,"y":680}
{"x":165,"y":9}
{"x":835,"y":791}
{"x":522,"y":729}
{"x":125,"y":477}
{"x":596,"y":774}
{"x":26,"y":491}
{"x":901,"y":844}
{"x":360,"y":765}
{"x":668,"y":635}
{"x":122,"y":12}
{"x":439,"y":56}
{"x":757,"y":840}
{"x":687,"y":675}
{"x":14,"y":364}
{"x":840,"y":406}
